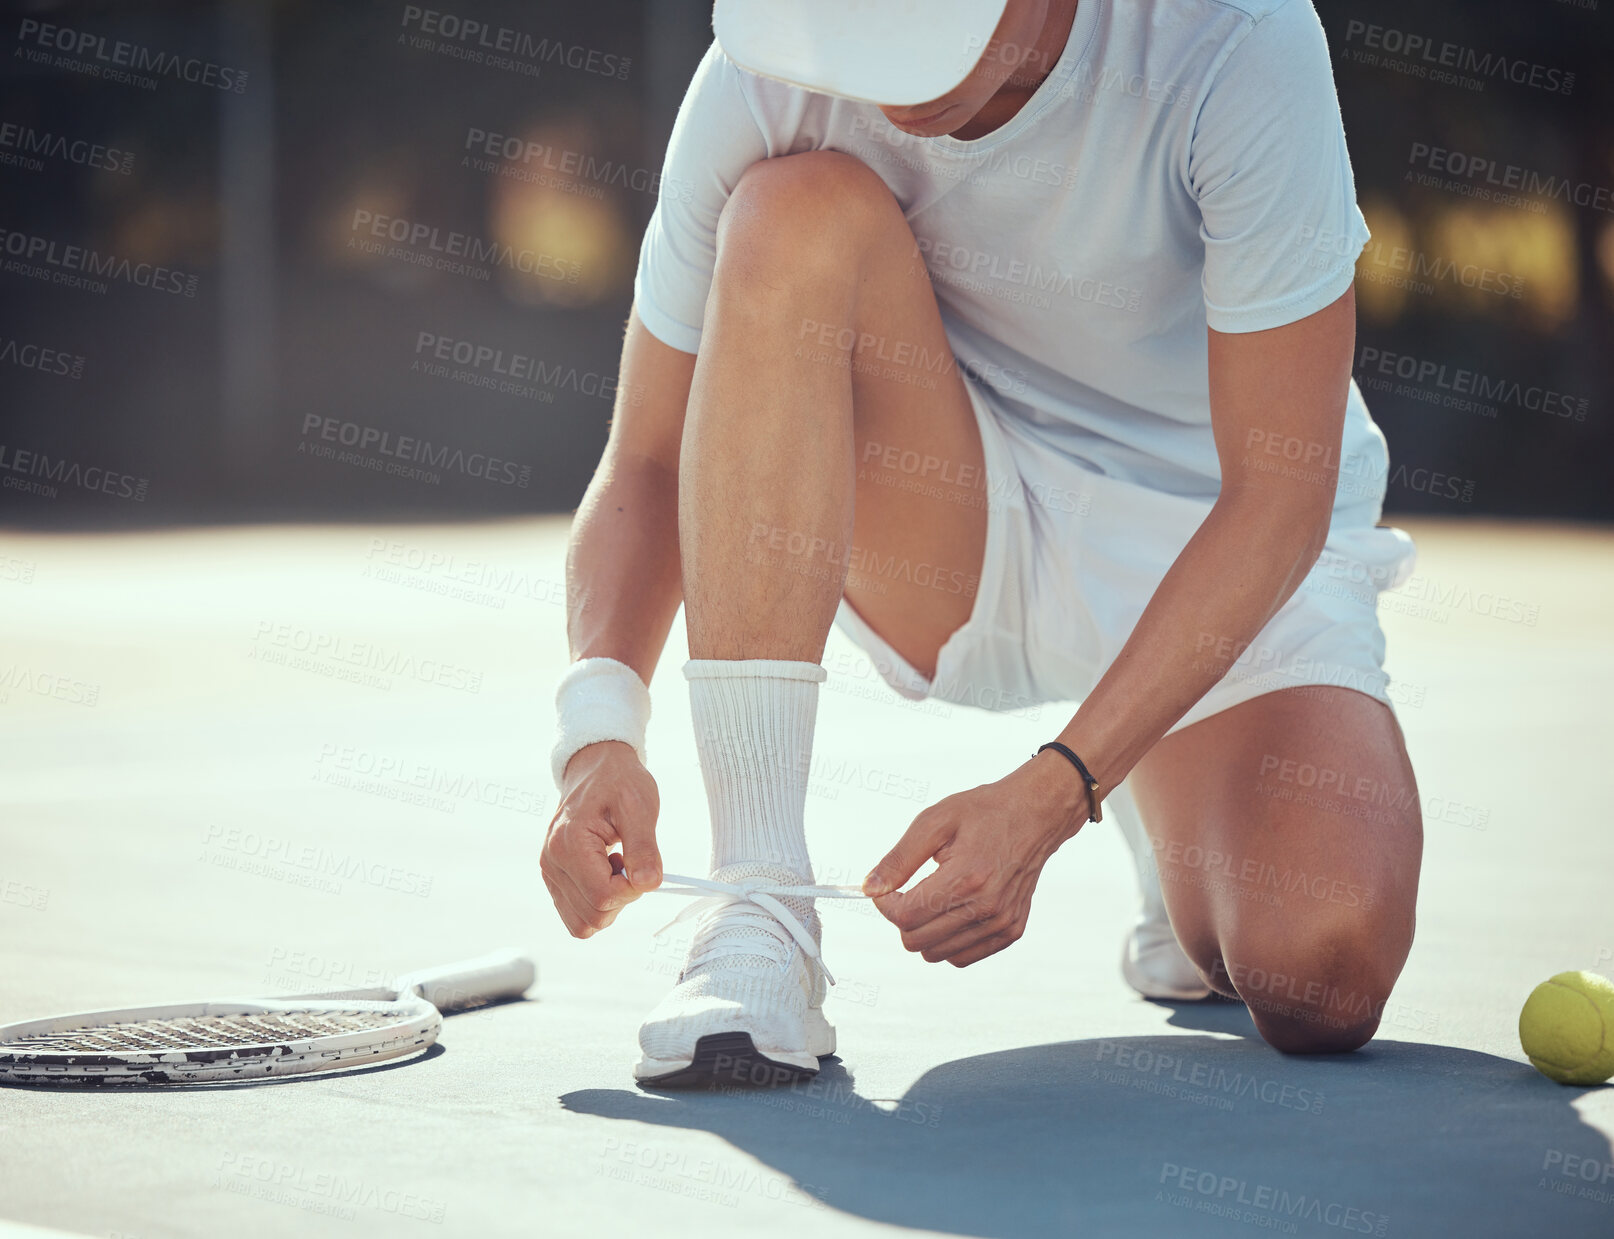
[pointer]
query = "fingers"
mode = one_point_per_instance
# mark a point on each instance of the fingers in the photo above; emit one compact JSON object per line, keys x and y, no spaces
{"x":609,"y":798}
{"x":584,"y":878}
{"x":977,"y":917}
{"x":570,"y":903}
{"x":588,"y":899}
{"x":928,"y":833}
{"x":943,"y":916}
{"x":986,"y":947}
{"x":976,"y":942}
{"x":988,"y":856}
{"x":634,"y":817}
{"x":951,"y":895}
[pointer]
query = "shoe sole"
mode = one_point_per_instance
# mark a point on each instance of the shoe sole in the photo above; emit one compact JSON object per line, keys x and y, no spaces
{"x":726,"y":1059}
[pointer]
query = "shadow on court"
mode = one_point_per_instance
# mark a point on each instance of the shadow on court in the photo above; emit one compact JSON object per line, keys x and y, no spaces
{"x":1133,"y":1135}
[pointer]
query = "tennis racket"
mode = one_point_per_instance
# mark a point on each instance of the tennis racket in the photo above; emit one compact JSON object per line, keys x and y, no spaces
{"x":254,"y":1038}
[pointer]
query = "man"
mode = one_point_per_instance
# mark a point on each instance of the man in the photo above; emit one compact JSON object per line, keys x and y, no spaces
{"x":1054,"y":302}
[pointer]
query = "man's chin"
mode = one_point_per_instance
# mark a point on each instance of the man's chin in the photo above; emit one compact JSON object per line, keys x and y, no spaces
{"x":933,"y":126}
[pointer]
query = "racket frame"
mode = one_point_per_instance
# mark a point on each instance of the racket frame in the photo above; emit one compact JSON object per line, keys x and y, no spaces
{"x":498,"y":976}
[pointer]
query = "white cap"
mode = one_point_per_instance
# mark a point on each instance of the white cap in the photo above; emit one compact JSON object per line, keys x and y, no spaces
{"x":892,"y":52}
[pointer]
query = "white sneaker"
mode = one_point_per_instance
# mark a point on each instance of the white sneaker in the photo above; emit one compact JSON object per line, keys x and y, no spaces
{"x":1154,"y":964}
{"x":748,"y":1005}
{"x":1152,"y":960}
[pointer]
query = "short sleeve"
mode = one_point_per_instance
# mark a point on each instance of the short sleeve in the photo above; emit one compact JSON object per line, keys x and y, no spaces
{"x":714,"y":140}
{"x":1272,"y":176}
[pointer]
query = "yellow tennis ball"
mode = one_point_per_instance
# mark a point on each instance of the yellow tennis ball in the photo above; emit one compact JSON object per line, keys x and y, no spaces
{"x":1567,"y":1028}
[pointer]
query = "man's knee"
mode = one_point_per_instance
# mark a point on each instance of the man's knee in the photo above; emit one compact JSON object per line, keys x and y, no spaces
{"x":1313,"y":990}
{"x":803,"y":213}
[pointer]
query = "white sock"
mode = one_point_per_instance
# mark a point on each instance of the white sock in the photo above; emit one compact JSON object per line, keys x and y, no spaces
{"x":754,"y":720}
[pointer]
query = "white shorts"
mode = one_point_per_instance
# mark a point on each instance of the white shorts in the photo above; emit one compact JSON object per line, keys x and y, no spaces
{"x":1073,"y":557}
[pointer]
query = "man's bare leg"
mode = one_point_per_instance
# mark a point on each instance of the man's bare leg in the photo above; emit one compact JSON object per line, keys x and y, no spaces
{"x":821,"y":337}
{"x":1289,"y":837}
{"x":813,"y":256}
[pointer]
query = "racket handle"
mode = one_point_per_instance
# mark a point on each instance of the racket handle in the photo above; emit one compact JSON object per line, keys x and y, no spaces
{"x":504,"y":974}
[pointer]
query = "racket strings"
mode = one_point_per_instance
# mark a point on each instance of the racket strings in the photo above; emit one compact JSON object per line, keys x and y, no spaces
{"x":203,"y":1032}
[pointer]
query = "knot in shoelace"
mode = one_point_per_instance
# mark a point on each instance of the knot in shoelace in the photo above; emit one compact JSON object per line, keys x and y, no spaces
{"x":767,"y":913}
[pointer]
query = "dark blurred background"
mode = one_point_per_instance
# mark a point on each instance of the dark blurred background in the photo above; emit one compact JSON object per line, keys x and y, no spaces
{"x":240,"y":170}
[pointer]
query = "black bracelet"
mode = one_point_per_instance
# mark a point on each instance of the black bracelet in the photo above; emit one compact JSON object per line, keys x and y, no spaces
{"x":1087,"y":776}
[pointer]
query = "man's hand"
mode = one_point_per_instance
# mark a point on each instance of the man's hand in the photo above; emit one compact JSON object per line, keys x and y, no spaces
{"x":990,"y":844}
{"x":609,"y":797}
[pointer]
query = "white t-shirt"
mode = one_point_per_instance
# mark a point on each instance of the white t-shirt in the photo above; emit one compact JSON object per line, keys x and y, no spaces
{"x":1184,"y":164}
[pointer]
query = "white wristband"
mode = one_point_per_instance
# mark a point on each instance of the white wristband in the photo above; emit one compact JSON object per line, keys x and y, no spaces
{"x":599,"y":699}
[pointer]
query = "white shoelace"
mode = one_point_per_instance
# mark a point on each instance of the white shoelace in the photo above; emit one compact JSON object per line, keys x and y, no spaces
{"x":764,"y":895}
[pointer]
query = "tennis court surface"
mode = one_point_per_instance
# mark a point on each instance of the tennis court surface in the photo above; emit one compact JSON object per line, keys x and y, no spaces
{"x":282,"y":760}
